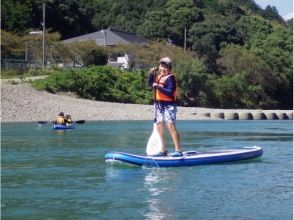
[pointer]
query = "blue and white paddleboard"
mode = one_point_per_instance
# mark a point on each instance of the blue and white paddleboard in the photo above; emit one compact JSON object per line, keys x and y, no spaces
{"x":189,"y":158}
{"x":63,"y":127}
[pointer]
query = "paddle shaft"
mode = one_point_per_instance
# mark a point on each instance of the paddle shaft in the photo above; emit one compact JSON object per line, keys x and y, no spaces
{"x":154,"y":144}
{"x":51,"y":122}
{"x":154,"y":92}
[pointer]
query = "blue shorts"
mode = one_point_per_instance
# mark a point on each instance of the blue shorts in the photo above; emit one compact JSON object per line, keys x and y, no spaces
{"x":165,"y":112}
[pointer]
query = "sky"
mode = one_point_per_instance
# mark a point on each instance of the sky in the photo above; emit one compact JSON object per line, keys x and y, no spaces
{"x":284,"y":7}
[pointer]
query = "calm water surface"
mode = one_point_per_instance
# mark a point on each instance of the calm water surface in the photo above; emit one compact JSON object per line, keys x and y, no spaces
{"x":62,"y":175}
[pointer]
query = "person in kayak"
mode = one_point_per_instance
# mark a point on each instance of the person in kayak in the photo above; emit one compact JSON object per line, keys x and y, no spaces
{"x":68,"y":120}
{"x":60,"y":120}
{"x":165,"y":106}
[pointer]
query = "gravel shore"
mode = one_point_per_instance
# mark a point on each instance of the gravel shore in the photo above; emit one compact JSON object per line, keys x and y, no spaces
{"x":22,"y":103}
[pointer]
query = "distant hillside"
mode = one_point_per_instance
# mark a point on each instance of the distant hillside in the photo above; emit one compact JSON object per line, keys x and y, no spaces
{"x":73,"y":18}
{"x":245,"y":52}
{"x":290,"y":22}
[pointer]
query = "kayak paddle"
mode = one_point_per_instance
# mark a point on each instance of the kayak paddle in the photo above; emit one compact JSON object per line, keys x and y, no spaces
{"x":80,"y":122}
{"x":77,"y":122}
{"x":44,"y":122}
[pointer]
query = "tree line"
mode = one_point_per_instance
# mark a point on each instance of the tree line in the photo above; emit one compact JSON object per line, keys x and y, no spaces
{"x":239,"y":54}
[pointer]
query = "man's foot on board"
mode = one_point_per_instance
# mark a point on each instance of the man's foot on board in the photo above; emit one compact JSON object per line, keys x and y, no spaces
{"x":160,"y":154}
{"x":176,"y":154}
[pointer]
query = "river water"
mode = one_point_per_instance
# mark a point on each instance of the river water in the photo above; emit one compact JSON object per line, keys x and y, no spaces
{"x":62,"y":175}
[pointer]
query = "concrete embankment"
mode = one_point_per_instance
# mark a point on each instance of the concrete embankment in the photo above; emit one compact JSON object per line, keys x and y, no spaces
{"x":245,"y":114}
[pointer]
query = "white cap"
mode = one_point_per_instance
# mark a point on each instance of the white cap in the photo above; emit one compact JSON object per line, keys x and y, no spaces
{"x":166,"y":60}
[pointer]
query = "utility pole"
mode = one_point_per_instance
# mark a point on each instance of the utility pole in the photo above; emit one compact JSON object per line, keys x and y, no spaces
{"x":185,"y":38}
{"x":43,"y":23}
{"x":26,"y":55}
{"x":104,"y":37}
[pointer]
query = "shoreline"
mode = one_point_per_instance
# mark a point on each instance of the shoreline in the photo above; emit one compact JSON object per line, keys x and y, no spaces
{"x":22,"y":103}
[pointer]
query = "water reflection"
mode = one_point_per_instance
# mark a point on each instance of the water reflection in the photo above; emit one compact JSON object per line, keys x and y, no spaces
{"x":121,"y":173}
{"x":154,"y":183}
{"x":153,"y":192}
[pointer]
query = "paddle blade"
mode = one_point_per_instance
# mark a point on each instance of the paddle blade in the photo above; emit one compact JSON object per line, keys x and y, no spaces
{"x":80,"y":122}
{"x":154,"y":144}
{"x":43,"y":122}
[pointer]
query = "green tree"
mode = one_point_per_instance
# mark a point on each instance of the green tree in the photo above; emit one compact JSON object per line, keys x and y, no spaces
{"x":276,"y":51}
{"x":102,"y":18}
{"x":16,"y":15}
{"x":207,"y":37}
{"x":155,"y":25}
{"x":271,"y":12}
{"x":250,"y":77}
{"x":87,"y":53}
{"x":128,"y":14}
{"x":192,"y":77}
{"x":181,"y":15}
{"x":12,"y":45}
{"x":237,"y":92}
{"x":253,"y":27}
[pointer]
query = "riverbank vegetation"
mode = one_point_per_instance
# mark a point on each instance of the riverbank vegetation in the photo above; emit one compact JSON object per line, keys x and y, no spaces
{"x":238,"y":55}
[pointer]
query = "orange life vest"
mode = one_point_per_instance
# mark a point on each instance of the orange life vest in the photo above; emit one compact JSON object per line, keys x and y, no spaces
{"x":60,"y":120}
{"x":160,"y":96}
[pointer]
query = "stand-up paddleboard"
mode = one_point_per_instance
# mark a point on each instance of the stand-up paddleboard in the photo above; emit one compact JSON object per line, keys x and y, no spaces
{"x":63,"y":127}
{"x":189,"y":158}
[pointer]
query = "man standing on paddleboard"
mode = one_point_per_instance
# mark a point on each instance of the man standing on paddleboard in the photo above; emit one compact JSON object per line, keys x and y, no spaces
{"x":165,"y":106}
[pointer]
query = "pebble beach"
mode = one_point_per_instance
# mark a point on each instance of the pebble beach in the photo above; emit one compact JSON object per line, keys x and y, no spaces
{"x":22,"y":103}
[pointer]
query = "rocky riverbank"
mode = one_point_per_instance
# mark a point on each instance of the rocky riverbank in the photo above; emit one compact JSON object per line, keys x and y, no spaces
{"x":20,"y":103}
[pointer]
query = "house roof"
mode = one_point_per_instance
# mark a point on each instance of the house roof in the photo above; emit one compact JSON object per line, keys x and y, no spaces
{"x":109,"y":37}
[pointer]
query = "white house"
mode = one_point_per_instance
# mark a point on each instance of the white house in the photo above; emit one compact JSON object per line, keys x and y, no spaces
{"x":111,"y":37}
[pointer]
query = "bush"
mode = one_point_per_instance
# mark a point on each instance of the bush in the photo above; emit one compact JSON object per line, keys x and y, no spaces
{"x":101,"y":83}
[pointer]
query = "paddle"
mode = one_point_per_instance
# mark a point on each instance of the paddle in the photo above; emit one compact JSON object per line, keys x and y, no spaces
{"x":80,"y":122}
{"x":44,"y":122}
{"x":154,"y":144}
{"x":77,"y":122}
